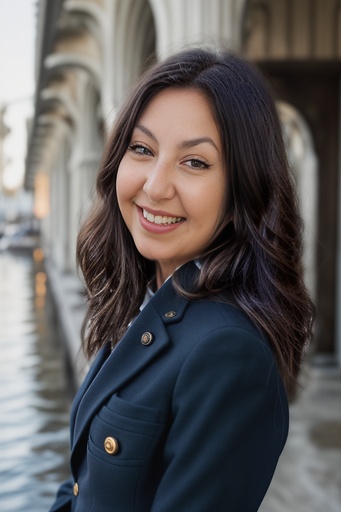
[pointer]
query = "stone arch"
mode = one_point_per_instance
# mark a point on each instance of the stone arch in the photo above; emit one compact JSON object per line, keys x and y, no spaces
{"x":304,"y":163}
{"x":134,"y":43}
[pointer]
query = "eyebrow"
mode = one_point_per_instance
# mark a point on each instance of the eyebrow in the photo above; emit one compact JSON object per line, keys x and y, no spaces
{"x":195,"y":142}
{"x":184,"y":144}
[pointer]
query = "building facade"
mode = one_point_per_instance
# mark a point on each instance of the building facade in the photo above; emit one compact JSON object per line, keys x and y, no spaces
{"x":89,"y":52}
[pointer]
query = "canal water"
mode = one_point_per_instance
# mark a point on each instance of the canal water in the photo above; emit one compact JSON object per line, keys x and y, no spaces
{"x":35,"y":391}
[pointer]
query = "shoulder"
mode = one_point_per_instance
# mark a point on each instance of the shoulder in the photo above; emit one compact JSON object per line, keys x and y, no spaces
{"x":214,"y":318}
{"x":232,"y":365}
{"x":225,"y":342}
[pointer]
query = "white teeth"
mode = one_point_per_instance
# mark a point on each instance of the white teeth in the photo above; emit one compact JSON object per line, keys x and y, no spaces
{"x":159,"y":219}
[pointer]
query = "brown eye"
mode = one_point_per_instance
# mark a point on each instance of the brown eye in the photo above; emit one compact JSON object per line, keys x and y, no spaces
{"x":195,"y":163}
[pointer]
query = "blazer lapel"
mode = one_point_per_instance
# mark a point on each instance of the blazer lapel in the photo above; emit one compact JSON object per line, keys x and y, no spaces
{"x":130,"y":355}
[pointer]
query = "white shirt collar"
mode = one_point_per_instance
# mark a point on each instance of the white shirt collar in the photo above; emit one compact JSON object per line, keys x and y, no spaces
{"x":148,"y":295}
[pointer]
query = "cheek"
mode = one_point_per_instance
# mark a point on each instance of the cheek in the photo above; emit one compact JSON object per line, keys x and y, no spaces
{"x":119,"y":185}
{"x":216,"y":213}
{"x":124,"y":184}
{"x":210,"y":206}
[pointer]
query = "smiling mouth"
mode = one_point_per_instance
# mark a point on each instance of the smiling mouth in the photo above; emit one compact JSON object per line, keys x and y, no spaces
{"x":161,"y":220}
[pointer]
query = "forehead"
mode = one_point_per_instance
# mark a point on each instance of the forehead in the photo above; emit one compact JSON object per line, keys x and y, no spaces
{"x":187,"y":109}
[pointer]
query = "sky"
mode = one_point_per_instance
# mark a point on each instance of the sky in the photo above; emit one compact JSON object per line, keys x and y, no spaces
{"x":17,"y":46}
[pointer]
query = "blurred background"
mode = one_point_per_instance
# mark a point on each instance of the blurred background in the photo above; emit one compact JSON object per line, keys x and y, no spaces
{"x":65,"y":66}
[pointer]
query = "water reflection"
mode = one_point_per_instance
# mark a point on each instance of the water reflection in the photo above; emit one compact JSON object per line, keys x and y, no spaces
{"x":34,"y":389}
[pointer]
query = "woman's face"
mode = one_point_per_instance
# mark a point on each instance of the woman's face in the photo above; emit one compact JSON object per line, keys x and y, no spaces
{"x":171,"y":182}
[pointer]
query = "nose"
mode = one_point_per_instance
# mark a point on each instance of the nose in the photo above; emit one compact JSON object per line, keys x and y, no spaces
{"x":159,"y":182}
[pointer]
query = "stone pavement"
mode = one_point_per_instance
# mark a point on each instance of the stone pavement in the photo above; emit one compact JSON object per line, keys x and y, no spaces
{"x":308,"y":475}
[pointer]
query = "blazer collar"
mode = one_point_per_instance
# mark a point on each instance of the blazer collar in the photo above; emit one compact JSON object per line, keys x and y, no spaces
{"x":111,"y":372}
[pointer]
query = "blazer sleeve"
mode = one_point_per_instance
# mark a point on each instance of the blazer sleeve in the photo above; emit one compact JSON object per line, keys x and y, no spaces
{"x":230,"y":423}
{"x":64,"y":496}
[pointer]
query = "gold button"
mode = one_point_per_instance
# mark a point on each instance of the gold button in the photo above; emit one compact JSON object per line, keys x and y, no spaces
{"x":111,"y":445}
{"x":147,"y":338}
{"x":170,"y":314}
{"x":75,"y":489}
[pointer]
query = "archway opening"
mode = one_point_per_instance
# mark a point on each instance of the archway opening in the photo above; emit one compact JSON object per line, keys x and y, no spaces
{"x":304,"y":165}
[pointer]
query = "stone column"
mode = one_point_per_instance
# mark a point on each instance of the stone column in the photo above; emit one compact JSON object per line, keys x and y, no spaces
{"x":181,"y":22}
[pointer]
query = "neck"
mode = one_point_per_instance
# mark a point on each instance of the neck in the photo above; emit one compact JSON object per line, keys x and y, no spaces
{"x":163,"y":272}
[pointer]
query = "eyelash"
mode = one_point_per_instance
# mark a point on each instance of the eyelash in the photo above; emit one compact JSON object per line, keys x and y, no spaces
{"x":202,"y":165}
{"x":135,"y":147}
{"x":140,"y":149}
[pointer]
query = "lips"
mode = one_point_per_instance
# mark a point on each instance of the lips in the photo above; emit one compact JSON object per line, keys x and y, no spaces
{"x":161,"y":220}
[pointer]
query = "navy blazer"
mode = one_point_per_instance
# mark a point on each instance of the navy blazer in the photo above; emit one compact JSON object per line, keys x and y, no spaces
{"x":187,"y":414}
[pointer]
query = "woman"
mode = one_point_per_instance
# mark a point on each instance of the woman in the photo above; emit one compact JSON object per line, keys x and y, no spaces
{"x":198,"y":311}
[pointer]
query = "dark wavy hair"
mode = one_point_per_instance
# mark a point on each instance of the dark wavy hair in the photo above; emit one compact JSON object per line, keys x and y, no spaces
{"x":256,"y":256}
